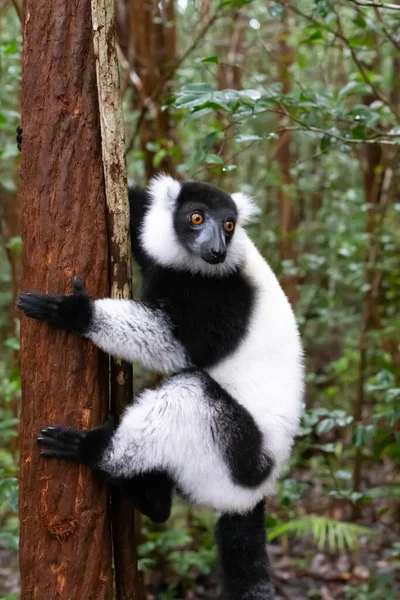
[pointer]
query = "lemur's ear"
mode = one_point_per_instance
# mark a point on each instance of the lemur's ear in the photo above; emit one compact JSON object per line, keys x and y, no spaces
{"x":247,"y":208}
{"x":164,"y":189}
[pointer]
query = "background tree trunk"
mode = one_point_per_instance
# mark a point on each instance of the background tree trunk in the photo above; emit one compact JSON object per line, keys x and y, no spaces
{"x":147,"y":36}
{"x":65,"y":549}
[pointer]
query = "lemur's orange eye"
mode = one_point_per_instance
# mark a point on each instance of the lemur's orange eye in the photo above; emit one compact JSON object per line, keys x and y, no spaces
{"x":229,"y":226}
{"x":196,"y":219}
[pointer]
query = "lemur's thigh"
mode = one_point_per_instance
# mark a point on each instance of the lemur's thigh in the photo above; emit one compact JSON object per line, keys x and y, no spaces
{"x":196,"y":432}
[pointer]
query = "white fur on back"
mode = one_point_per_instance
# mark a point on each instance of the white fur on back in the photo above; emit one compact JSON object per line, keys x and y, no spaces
{"x":265,"y":373}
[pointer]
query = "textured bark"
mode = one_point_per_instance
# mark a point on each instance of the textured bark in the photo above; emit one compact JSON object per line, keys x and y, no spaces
{"x":127,"y":577}
{"x":65,"y":550}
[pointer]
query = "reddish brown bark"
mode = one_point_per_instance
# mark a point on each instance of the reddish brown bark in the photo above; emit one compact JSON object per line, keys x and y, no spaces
{"x":65,"y":550}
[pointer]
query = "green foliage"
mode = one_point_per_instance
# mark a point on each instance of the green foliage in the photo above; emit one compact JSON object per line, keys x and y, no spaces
{"x":184,"y":547}
{"x":336,"y":535}
{"x":382,"y":586}
{"x":320,"y":75}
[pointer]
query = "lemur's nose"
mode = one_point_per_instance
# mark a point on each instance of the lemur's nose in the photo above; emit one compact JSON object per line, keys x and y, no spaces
{"x":218,"y":254}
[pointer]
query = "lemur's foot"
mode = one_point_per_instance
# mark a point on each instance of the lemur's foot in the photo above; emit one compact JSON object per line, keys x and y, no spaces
{"x":61,"y":442}
{"x":86,"y":447}
{"x":19,"y":137}
{"x":72,"y":311}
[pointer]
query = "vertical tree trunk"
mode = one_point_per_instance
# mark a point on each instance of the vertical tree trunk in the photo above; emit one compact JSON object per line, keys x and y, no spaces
{"x":127,"y":578}
{"x":152,"y":52}
{"x":65,"y":549}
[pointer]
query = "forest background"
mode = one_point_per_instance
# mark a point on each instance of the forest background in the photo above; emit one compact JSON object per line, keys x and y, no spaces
{"x":298,"y":104}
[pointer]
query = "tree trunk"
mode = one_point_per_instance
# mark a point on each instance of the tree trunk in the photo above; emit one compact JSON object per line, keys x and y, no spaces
{"x":128,"y":582}
{"x":152,"y":53}
{"x":65,"y":549}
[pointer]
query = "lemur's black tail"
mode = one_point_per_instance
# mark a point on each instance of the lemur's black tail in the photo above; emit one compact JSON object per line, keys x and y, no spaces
{"x":243,"y":556}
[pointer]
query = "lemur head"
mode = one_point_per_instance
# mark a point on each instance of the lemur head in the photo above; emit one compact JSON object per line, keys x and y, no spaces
{"x":195,"y":226}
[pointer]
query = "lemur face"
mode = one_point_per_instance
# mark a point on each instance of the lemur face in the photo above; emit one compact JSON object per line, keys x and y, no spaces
{"x":195,"y":226}
{"x":204,"y":221}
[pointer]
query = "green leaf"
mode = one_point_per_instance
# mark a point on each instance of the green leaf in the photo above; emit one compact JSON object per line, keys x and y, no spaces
{"x":363,"y":434}
{"x":337,"y":534}
{"x":210,"y":59}
{"x":15,"y":245}
{"x":326,"y":142}
{"x":12,"y":343}
{"x":214,"y":159}
{"x":325,"y":425}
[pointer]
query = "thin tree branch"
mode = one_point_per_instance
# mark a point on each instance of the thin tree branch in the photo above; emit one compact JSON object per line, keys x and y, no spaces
{"x":371,"y":4}
{"x":18,"y":9}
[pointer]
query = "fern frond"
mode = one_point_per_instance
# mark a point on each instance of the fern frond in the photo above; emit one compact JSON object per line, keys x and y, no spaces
{"x":337,"y":535}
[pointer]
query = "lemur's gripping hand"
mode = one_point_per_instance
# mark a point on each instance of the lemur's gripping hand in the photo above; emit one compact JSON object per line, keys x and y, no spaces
{"x":86,"y":447}
{"x":72,"y":312}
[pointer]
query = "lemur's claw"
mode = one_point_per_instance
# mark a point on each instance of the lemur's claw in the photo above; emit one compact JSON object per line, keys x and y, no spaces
{"x":78,"y":286}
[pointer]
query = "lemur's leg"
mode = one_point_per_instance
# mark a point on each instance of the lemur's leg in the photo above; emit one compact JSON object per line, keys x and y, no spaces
{"x":150,"y":492}
{"x":124,"y":328}
{"x":189,"y":428}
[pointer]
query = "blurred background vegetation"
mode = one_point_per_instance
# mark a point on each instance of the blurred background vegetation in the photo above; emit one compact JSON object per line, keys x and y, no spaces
{"x":298,"y":104}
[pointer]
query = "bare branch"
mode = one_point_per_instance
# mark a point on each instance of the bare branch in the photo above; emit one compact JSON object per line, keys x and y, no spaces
{"x":18,"y":9}
{"x":371,"y":4}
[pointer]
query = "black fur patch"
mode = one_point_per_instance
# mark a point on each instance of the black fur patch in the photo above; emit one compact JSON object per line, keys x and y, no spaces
{"x":240,"y":439}
{"x":151,"y":493}
{"x":205,"y":193}
{"x":209,"y":315}
{"x":138,"y":203}
{"x":243,"y":556}
{"x":237,"y":433}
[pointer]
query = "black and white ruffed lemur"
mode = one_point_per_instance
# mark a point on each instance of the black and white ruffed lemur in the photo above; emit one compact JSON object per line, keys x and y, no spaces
{"x":214,"y":318}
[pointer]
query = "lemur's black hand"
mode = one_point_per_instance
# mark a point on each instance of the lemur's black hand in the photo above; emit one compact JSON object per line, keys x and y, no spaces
{"x":72,"y":312}
{"x":19,"y":137}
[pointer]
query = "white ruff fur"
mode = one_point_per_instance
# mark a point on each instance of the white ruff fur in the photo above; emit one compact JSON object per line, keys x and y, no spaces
{"x":161,"y":243}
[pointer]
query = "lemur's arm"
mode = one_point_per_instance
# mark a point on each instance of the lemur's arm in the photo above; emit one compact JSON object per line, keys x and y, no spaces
{"x":124,"y":328}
